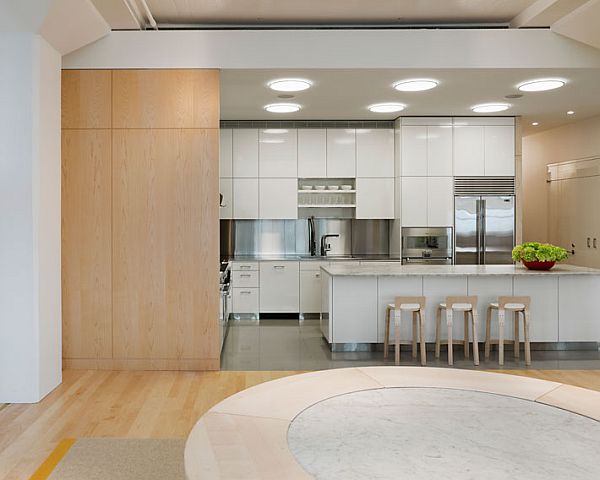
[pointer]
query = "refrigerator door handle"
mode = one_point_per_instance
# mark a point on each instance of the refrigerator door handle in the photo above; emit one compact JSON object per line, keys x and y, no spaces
{"x":478,"y":230}
{"x":483,"y":231}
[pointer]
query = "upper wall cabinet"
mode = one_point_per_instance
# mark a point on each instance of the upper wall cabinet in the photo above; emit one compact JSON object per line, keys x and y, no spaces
{"x":86,"y":101}
{"x":165,"y":99}
{"x":278,"y":153}
{"x":375,"y":198}
{"x":341,"y":153}
{"x":245,"y":153}
{"x":499,"y":144}
{"x":426,"y":150}
{"x":278,"y":198}
{"x":375,"y":153}
{"x":226,"y":153}
{"x":312,"y":153}
{"x":469,"y":151}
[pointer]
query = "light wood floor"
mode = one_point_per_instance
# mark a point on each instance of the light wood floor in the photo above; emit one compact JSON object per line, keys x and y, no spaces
{"x":142,"y":405}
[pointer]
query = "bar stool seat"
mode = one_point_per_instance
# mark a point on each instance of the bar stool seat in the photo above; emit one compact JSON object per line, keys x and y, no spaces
{"x":415,"y":305}
{"x":460,"y":307}
{"x":509,"y":306}
{"x":468,"y":306}
{"x":520,"y":308}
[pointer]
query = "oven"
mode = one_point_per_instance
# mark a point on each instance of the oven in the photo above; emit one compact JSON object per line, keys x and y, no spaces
{"x":225,"y":299}
{"x":427,"y":245}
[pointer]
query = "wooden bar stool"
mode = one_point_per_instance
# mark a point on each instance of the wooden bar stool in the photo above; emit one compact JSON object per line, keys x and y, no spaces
{"x":517,"y":305}
{"x":416,"y":305}
{"x":467,"y":305}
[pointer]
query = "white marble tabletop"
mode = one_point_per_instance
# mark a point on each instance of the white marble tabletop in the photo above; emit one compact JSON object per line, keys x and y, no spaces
{"x":386,"y":269}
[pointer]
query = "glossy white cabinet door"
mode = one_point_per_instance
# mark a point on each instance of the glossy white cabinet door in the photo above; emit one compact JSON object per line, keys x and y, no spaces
{"x":341,"y":153}
{"x":374,"y":198}
{"x":278,"y":153}
{"x":278,"y":198}
{"x":226,"y":189}
{"x":375,"y":152}
{"x":310,"y":291}
{"x":245,"y":152}
{"x":245,"y":198}
{"x":414,"y":201}
{"x":440,"y":202}
{"x":312,"y":153}
{"x":279,"y":287}
{"x":439,"y":151}
{"x":245,"y":300}
{"x":354,"y":310}
{"x":414,"y":151}
{"x":469,"y":151}
{"x":226,"y":152}
{"x":499,"y":151}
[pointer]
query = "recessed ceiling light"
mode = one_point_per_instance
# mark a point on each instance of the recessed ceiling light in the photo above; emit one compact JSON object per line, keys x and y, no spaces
{"x":386,"y":107}
{"x":541,"y":85}
{"x":282,"y":107}
{"x":535,"y":124}
{"x":490,"y":107}
{"x":570,"y":112}
{"x":290,"y":84}
{"x":416,"y":85}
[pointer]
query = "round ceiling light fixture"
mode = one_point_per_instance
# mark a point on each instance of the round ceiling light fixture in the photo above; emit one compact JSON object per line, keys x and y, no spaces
{"x":541,"y":85}
{"x":386,"y":107}
{"x":535,"y":124}
{"x":416,"y":85}
{"x":282,"y":107}
{"x":490,"y":107}
{"x":290,"y":84}
{"x":570,"y":112}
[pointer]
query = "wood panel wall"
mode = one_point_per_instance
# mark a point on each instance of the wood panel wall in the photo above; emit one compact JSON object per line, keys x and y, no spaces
{"x":140,"y":219}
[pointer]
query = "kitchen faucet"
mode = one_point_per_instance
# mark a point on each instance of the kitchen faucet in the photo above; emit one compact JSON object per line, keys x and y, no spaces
{"x":312,"y":244}
{"x":325,"y":247}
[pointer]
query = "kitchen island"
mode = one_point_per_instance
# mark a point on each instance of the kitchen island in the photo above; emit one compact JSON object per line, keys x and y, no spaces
{"x":564,"y":300}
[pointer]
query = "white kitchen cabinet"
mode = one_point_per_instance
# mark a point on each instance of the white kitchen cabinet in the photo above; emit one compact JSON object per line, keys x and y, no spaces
{"x":226,"y":189}
{"x":414,"y":201}
{"x":469,"y":151}
{"x":439,"y":151}
{"x":440,"y":202}
{"x":341,"y":153}
{"x":278,"y":198}
{"x":310,"y":291}
{"x":499,"y":150}
{"x":278,"y":153}
{"x":245,"y":300}
{"x":244,"y":278}
{"x":375,"y":152}
{"x":374,"y":198}
{"x":245,"y":198}
{"x":226,"y":152}
{"x":279,"y":287}
{"x":354,"y":300}
{"x":414,"y":151}
{"x":312,"y":153}
{"x":245,"y":152}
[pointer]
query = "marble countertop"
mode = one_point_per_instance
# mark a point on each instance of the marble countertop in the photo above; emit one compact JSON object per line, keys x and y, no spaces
{"x":443,"y":270}
{"x":307,"y":258}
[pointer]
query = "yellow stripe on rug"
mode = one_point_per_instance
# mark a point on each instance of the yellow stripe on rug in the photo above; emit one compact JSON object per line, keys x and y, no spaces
{"x":45,"y":469}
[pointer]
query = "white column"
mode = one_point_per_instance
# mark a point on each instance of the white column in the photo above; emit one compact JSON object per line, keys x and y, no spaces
{"x":30,"y":289}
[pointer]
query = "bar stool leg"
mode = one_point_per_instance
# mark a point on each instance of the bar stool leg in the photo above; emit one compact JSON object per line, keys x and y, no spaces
{"x":526,"y":334}
{"x":501,"y":336}
{"x":475,"y":317}
{"x":386,"y":340}
{"x":450,"y":342}
{"x":414,"y":335}
{"x":466,"y":334}
{"x":422,"y":338}
{"x":517,"y":346}
{"x":488,"y":325}
{"x":438,"y":326}
{"x":397,"y":318}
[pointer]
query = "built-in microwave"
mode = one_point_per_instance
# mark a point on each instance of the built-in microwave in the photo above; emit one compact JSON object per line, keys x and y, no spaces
{"x":427,"y":245}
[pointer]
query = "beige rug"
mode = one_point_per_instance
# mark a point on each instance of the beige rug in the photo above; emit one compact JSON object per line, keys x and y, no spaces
{"x":122,"y":459}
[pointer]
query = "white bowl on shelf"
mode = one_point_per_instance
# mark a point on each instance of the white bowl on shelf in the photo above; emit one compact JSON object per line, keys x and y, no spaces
{"x":346,"y":187}
{"x":333,"y":187}
{"x":319,"y":187}
{"x":307,"y":187}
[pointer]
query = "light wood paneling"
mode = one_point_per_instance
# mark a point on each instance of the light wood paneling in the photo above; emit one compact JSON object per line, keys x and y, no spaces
{"x":165,"y":244}
{"x":165,"y":99}
{"x":86,"y":99}
{"x":86,"y":244}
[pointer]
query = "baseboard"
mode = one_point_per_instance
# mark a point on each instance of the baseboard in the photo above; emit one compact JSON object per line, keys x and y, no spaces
{"x":201,"y":364}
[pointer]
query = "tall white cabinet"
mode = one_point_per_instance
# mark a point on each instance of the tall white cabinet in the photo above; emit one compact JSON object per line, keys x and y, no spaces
{"x":312,"y":153}
{"x":278,"y":153}
{"x":341,"y":153}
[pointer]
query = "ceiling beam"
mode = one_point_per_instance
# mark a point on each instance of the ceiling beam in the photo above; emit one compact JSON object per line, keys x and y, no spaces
{"x":544,"y":13}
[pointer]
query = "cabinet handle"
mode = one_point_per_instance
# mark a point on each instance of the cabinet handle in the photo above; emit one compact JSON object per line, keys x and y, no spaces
{"x":595,"y":245}
{"x":589,"y":240}
{"x":278,"y":267}
{"x":245,"y":267}
{"x":245,"y":275}
{"x":317,"y":275}
{"x":245,"y":292}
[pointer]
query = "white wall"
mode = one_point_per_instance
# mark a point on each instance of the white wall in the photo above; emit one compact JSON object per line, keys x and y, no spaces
{"x":570,"y":142}
{"x":30,"y":316}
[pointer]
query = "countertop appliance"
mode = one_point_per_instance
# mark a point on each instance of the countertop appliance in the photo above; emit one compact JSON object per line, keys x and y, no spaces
{"x":428,"y":245}
{"x":225,"y":299}
{"x":485,"y":229}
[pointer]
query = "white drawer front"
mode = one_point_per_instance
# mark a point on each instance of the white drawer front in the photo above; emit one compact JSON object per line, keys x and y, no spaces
{"x":245,"y":300}
{"x":245,"y":278}
{"x":244,"y":266}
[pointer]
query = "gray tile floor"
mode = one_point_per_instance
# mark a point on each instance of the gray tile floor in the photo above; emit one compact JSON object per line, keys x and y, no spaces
{"x":298,"y":345}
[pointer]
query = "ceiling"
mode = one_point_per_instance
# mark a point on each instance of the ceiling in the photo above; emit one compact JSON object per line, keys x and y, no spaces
{"x":345,"y":94}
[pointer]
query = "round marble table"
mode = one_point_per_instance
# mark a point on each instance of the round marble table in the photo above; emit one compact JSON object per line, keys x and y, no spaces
{"x":386,"y":422}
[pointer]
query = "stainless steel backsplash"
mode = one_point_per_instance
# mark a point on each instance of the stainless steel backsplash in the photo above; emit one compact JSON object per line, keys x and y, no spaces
{"x":290,"y":237}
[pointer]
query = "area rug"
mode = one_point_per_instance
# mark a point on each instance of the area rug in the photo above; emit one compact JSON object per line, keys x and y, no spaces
{"x":114,"y":459}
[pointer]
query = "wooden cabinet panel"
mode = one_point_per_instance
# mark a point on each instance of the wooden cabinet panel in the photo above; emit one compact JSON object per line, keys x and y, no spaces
{"x":226,"y":153}
{"x":86,"y":101}
{"x":165,"y":99}
{"x":86,"y":244}
{"x":165,"y":244}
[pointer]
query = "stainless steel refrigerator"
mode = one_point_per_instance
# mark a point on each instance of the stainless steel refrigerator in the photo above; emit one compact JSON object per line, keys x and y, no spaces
{"x":484,"y":229}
